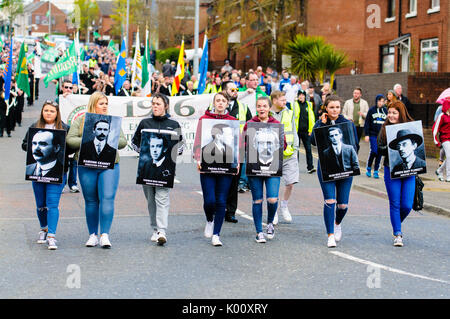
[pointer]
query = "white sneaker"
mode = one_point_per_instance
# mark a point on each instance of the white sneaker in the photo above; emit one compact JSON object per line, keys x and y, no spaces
{"x":42,"y":237}
{"x":331,"y":241}
{"x":270,"y":231}
{"x":260,"y":238}
{"x":74,"y":189}
{"x":286,"y":214}
{"x":337,"y":232}
{"x":216,"y":241}
{"x":161,"y":238}
{"x":51,"y":241}
{"x":398,"y":241}
{"x":154,"y":237}
{"x":209,"y":228}
{"x":92,"y":241}
{"x":275,"y":219}
{"x":104,"y":241}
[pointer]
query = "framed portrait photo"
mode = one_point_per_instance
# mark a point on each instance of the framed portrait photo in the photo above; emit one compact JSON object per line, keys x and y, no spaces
{"x":406,"y":149}
{"x":45,"y":155}
{"x":157,"y":158}
{"x":337,"y":151}
{"x":264,"y":149}
{"x":220,"y":146}
{"x":100,"y":141}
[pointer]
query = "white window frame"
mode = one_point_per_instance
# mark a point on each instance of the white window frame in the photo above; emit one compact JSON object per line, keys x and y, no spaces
{"x":428,"y":50}
{"x":435,"y":7}
{"x":412,"y":9}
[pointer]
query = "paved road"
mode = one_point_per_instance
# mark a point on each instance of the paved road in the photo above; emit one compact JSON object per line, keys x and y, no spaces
{"x":296,"y":264}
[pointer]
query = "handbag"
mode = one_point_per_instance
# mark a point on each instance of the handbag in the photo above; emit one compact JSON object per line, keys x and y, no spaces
{"x":418,"y":195}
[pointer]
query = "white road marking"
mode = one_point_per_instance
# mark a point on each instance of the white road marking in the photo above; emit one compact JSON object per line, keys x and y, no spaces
{"x":394,"y":270}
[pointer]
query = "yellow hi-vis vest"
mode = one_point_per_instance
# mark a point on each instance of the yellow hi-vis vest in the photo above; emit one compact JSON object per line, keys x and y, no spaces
{"x":311,"y":116}
{"x":289,"y":131}
{"x":211,"y":88}
{"x":241,"y":116}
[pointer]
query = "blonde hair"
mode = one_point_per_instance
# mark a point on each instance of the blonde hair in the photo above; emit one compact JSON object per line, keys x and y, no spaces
{"x":93,"y":100}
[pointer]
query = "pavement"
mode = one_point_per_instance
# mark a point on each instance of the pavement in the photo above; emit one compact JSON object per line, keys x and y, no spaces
{"x":295,"y":264}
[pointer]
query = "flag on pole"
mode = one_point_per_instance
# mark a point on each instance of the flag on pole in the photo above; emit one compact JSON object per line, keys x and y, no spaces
{"x":65,"y":66}
{"x":121,"y":72}
{"x":22,"y":71}
{"x":179,"y":75}
{"x":203,"y":69}
{"x":136,"y":68}
{"x":146,"y":71}
{"x":112,"y":47}
{"x":8,"y":72}
{"x":96,"y":35}
{"x":2,"y":44}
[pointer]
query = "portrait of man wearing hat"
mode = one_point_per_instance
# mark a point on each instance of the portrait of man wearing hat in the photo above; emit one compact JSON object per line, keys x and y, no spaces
{"x":406,"y":144}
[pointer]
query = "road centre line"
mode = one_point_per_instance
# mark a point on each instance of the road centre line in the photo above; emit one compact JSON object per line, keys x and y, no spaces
{"x":387,"y":268}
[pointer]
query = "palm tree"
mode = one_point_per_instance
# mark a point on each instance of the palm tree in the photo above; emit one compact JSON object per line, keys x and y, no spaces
{"x":318,"y":57}
{"x":336,"y":60}
{"x":298,"y":49}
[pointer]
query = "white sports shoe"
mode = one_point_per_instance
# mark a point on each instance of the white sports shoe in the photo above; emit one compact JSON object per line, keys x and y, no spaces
{"x":398,"y":241}
{"x":42,"y":237}
{"x":260,"y":238}
{"x":216,"y":241}
{"x":337,"y":232}
{"x":331,"y":241}
{"x":92,"y":241}
{"x":104,"y":241}
{"x":161,"y":238}
{"x":51,"y":243}
{"x":286,"y":214}
{"x":275,"y":219}
{"x":154,"y":237}
{"x":270,"y":232}
{"x":209,"y":228}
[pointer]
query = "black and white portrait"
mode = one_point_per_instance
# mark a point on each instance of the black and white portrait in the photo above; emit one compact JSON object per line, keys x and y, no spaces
{"x":337,"y":151}
{"x":100,"y":141}
{"x":220,"y":146}
{"x":45,"y":155}
{"x":406,"y":149}
{"x":157,"y":158}
{"x":264,"y":149}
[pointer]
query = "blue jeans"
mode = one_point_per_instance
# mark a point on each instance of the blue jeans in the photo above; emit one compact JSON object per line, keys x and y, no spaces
{"x":47,"y":198}
{"x":243,"y":179}
{"x":73,"y":165}
{"x":215,"y":189}
{"x":272,"y":188}
{"x":401,"y":198}
{"x":374,"y":155}
{"x":99,"y":188}
{"x":339,"y":191}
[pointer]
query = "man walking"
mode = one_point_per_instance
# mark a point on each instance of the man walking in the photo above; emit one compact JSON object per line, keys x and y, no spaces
{"x":356,"y":109}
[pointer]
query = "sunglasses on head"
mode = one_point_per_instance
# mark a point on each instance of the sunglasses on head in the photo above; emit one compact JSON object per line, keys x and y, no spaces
{"x":51,"y":103}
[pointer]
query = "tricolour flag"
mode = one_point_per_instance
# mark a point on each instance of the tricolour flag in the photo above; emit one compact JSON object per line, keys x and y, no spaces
{"x":146,"y":71}
{"x":203,"y":69}
{"x":121,"y":72}
{"x":136,"y":68}
{"x":22,"y":71}
{"x":179,"y":75}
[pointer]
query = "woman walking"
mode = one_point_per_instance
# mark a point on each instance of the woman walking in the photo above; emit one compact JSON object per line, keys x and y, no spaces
{"x":335,"y":193}
{"x":400,"y":190}
{"x":99,"y":186}
{"x":215,"y":187}
{"x":47,"y":195}
{"x":158,"y":201}
{"x":441,"y":128}
{"x":263,"y":105}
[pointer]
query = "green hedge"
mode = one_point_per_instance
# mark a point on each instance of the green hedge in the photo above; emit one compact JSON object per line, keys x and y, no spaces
{"x":170,"y":53}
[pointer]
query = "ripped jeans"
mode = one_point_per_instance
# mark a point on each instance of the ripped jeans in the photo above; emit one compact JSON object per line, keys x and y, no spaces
{"x":272,"y":189}
{"x":47,"y":198}
{"x":334,"y":192}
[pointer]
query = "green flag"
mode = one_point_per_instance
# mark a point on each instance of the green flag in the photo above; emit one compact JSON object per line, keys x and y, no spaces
{"x":22,"y":71}
{"x":96,"y":35}
{"x":1,"y":44}
{"x":47,"y":14}
{"x":50,"y":55}
{"x":66,"y":65}
{"x":112,"y":48}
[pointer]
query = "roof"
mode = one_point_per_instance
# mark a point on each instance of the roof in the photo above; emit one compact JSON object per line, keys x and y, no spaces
{"x":34,"y":6}
{"x":105,"y":7}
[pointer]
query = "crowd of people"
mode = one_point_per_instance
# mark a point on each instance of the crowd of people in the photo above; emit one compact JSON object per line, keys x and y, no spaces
{"x":297,"y":105}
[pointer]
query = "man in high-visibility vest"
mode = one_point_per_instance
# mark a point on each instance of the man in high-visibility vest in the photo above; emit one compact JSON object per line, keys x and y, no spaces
{"x":241,"y":112}
{"x":214,"y":87}
{"x":304,"y":121}
{"x":290,"y":162}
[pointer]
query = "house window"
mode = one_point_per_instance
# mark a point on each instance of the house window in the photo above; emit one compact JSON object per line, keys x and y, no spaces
{"x":387,"y":59}
{"x":435,"y":7}
{"x":391,"y":11}
{"x":412,"y":9}
{"x":38,"y":19}
{"x":429,"y":50}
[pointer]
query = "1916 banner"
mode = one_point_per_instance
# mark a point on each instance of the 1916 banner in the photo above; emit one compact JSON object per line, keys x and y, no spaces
{"x":184,"y":109}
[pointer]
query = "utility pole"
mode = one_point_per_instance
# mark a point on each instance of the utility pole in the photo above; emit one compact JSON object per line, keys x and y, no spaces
{"x":128,"y":20}
{"x":49,"y":17}
{"x":196,"y":31}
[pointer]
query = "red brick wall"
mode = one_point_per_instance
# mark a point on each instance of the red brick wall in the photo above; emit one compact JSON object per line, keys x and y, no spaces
{"x":425,"y":87}
{"x":60,"y":25}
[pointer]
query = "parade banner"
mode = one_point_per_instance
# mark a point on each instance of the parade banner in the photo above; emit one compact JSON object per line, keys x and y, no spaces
{"x":184,"y":109}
